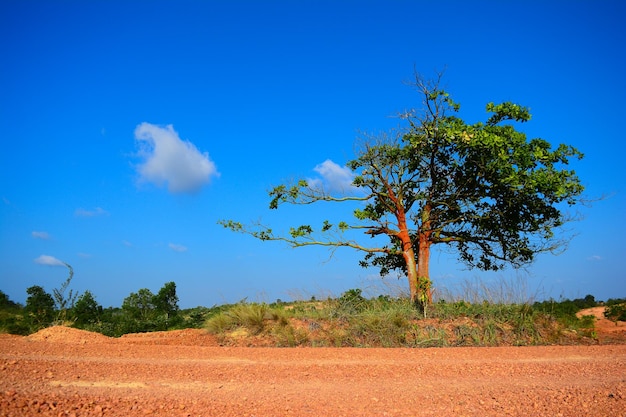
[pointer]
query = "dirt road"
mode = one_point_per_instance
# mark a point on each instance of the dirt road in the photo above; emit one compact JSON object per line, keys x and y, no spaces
{"x":68,"y":372}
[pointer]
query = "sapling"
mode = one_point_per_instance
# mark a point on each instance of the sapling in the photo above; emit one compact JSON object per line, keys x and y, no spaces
{"x":63,"y":303}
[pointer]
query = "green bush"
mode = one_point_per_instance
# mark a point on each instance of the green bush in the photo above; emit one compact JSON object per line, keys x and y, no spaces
{"x":12,"y":323}
{"x":616,"y":312}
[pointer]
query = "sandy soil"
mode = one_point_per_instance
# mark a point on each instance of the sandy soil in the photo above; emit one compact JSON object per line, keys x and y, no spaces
{"x":67,"y":372}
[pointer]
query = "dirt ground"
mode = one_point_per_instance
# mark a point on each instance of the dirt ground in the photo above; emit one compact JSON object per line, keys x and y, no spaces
{"x":62,"y":371}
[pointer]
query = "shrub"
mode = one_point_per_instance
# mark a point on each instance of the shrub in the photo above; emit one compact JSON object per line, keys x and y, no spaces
{"x":351,"y":302}
{"x":616,"y":312}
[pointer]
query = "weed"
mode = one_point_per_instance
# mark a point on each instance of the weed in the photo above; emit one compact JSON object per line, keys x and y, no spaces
{"x":288,"y":336}
{"x":219,"y":323}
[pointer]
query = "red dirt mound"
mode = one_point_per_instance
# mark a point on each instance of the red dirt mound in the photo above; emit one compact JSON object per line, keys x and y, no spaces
{"x":64,"y":334}
{"x":186,"y":337}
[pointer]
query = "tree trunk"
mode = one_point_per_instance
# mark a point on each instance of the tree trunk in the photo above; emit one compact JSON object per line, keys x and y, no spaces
{"x":423,"y":271}
{"x":417,"y":270}
{"x":423,"y":259}
{"x":411,"y":270}
{"x":408,"y":253}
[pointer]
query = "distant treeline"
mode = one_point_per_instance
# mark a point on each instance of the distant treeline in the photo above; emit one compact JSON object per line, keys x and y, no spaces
{"x":141,"y":311}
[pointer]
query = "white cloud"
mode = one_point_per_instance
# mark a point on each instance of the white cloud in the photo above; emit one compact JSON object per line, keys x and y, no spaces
{"x":171,"y":160}
{"x":84,"y":255}
{"x":595,"y":258}
{"x":40,"y":235}
{"x":333,"y":177}
{"x":49,"y":261}
{"x":98,"y":211}
{"x":177,"y":248}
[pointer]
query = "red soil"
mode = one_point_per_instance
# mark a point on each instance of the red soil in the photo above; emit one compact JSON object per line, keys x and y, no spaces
{"x":67,"y":372}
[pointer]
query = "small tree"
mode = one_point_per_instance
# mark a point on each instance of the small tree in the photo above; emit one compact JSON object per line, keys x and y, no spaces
{"x":39,"y":307}
{"x":64,"y":303}
{"x":139,"y":305}
{"x":166,"y":301}
{"x":482,"y":188}
{"x":86,"y":310}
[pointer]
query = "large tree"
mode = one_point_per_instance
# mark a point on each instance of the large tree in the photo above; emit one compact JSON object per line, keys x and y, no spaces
{"x":484,"y":188}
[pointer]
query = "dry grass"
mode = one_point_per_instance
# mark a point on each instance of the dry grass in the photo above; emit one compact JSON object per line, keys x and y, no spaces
{"x":352,"y":320}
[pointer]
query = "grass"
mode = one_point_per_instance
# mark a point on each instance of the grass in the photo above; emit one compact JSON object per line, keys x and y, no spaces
{"x":355,"y":321}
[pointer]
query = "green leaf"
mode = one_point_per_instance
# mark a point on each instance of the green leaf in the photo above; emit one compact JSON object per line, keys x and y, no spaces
{"x":301,"y":231}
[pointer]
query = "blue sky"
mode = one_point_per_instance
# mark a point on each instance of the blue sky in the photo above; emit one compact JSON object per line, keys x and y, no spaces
{"x":131,"y":127}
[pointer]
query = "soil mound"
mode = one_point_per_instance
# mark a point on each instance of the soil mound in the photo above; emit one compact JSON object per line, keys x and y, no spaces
{"x":70,"y":335}
{"x":185,"y":337}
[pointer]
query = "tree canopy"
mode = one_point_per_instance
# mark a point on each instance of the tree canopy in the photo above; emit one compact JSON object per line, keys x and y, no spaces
{"x":156,"y":310}
{"x":484,"y":188}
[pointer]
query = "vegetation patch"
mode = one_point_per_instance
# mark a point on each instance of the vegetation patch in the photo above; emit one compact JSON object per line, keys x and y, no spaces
{"x":616,"y":309}
{"x":142,"y":311}
{"x":351,"y":320}
{"x":354,"y":321}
